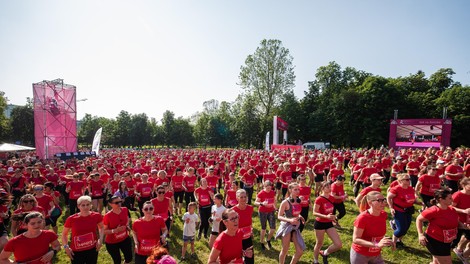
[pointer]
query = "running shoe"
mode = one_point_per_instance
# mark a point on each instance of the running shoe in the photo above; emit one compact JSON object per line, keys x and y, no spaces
{"x":325,"y":257}
{"x":269,"y":244}
{"x":460,"y":255}
{"x":263,"y":247}
{"x":393,"y":225}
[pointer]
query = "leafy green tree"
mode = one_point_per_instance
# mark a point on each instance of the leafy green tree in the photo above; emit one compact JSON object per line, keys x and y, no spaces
{"x":22,"y":123}
{"x":168,"y":124}
{"x":201,"y":129}
{"x":289,"y":110}
{"x":248,"y":122}
{"x":267,"y":75}
{"x":139,"y":130}
{"x":5,"y":127}
{"x":183,"y":132}
{"x":123,"y":129}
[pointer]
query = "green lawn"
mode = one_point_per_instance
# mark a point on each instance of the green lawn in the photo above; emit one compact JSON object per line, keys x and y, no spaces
{"x":413,"y":253}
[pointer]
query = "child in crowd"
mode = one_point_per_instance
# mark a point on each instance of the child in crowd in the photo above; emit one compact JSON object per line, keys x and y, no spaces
{"x":190,"y":220}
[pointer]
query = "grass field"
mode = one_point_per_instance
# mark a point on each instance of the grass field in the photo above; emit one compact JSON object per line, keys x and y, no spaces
{"x":413,"y":253}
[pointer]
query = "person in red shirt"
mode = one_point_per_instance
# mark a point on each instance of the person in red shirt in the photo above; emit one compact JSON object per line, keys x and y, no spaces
{"x":231,"y":195}
{"x":427,"y":185}
{"x":245,"y":223}
{"x":319,"y":172}
{"x":361,"y":203}
{"x":453,"y":172}
{"x":290,"y":217}
{"x":131,"y":184}
{"x":249,"y":179}
{"x":204,"y":197}
{"x":163,"y":206}
{"x":4,"y":214}
{"x":369,"y":232}
{"x":339,"y":195}
{"x":177,"y":184}
{"x":45,"y":201}
{"x":27,"y":204}
{"x":336,"y":171}
{"x":84,"y":242}
{"x":189,"y":184}
{"x":266,"y":200}
{"x":323,"y":210}
{"x":75,"y":189}
{"x":116,"y":228}
{"x":33,"y":246}
{"x":461,"y":204}
{"x":400,"y":199}
{"x":412,"y":167}
{"x":143,"y":192}
{"x":228,"y":246}
{"x":148,"y":232}
{"x":285,"y":177}
{"x":96,"y":190}
{"x":304,"y":195}
{"x":443,"y":224}
{"x":397,"y":167}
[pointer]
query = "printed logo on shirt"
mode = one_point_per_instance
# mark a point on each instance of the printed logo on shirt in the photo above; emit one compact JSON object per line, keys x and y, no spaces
{"x":146,"y":245}
{"x":84,"y":241}
{"x":247,"y":231}
{"x":375,"y":240}
{"x":449,"y":235}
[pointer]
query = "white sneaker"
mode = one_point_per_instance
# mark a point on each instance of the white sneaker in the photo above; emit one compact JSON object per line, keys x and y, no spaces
{"x":460,"y":256}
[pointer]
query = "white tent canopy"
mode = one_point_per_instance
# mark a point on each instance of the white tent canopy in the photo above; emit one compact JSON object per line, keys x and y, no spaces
{"x":6,"y":147}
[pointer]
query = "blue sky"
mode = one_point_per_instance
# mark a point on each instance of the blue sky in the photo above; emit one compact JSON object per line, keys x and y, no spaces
{"x":152,"y":56}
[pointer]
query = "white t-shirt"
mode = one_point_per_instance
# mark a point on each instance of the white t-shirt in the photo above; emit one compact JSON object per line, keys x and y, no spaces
{"x":189,"y":229}
{"x":216,"y":212}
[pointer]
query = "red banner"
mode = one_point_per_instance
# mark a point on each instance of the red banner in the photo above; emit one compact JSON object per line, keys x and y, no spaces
{"x":281,"y":124}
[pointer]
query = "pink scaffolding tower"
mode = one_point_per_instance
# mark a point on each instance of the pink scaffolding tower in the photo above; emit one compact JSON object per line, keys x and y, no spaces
{"x":55,"y":118}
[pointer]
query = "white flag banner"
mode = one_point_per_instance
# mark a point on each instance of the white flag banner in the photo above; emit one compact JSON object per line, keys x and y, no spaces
{"x":267,"y":141}
{"x":96,"y":142}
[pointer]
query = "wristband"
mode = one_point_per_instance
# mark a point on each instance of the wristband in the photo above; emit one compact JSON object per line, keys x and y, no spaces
{"x":375,"y":244}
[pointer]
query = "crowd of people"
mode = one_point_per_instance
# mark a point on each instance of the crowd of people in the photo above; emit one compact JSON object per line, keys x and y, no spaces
{"x":217,"y":193}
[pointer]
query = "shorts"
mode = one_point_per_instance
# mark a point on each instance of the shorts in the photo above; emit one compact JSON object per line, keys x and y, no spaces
{"x":259,"y":179}
{"x":179,"y":197}
{"x":267,"y":217}
{"x":319,"y":177}
{"x":278,"y":185}
{"x":436,"y":247}
{"x":188,"y":238}
{"x":214,"y":233}
{"x":426,"y":199}
{"x":322,"y":225}
{"x":356,"y":258}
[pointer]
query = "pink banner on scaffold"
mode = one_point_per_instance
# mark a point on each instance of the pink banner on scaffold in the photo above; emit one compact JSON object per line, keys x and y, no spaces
{"x":55,"y":118}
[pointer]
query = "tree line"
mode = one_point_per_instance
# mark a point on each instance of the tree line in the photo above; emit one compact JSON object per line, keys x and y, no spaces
{"x":345,"y":106}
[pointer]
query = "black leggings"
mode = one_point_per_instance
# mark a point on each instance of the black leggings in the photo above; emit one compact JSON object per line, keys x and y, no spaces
{"x":246,"y":243}
{"x":89,"y":256}
{"x":205,"y":214}
{"x":341,"y":210}
{"x":72,"y":206}
{"x":304,"y":214}
{"x":189,"y":197}
{"x":140,"y":259}
{"x":114,"y":250}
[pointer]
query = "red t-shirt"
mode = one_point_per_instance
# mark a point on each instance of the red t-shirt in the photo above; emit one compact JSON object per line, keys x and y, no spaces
{"x":270,"y":197}
{"x":412,"y":168}
{"x":429,"y":184}
{"x":76,"y":189}
{"x":269,"y":177}
{"x":189,"y":182}
{"x":131,"y":186}
{"x":145,"y":189}
{"x":84,"y":229}
{"x":442,"y":223}
{"x":337,"y":190}
{"x":230,"y":247}
{"x":454,"y":170}
{"x":148,"y":234}
{"x":212,"y":181}
{"x":113,"y":220}
{"x":203,"y":196}
{"x":325,"y":208}
{"x":374,"y":230}
{"x":249,"y":179}
{"x":304,"y":196}
{"x":245,"y":222}
{"x":286,"y":176}
{"x":335,"y":173}
{"x":45,"y":202}
{"x":462,"y":201}
{"x":161,"y":207}
{"x":366,"y":172}
{"x":177,"y":183}
{"x":232,"y":198}
{"x":404,"y":197}
{"x":30,"y":250}
{"x":96,"y":188}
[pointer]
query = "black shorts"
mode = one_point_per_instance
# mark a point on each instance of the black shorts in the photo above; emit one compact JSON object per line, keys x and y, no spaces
{"x":436,"y":247}
{"x":215,"y":233}
{"x":426,"y":199}
{"x":259,"y":179}
{"x":278,"y":185}
{"x":319,"y":177}
{"x":179,"y":197}
{"x":322,"y":225}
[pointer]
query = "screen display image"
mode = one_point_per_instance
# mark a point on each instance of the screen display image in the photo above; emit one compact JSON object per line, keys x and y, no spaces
{"x":419,"y":135}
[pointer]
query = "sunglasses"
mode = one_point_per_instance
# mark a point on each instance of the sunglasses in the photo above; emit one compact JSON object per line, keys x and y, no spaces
{"x":38,"y":189}
{"x":28,"y":201}
{"x":382,"y":200}
{"x":161,"y":192}
{"x":118,"y":202}
{"x":146,"y":209}
{"x":406,"y":179}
